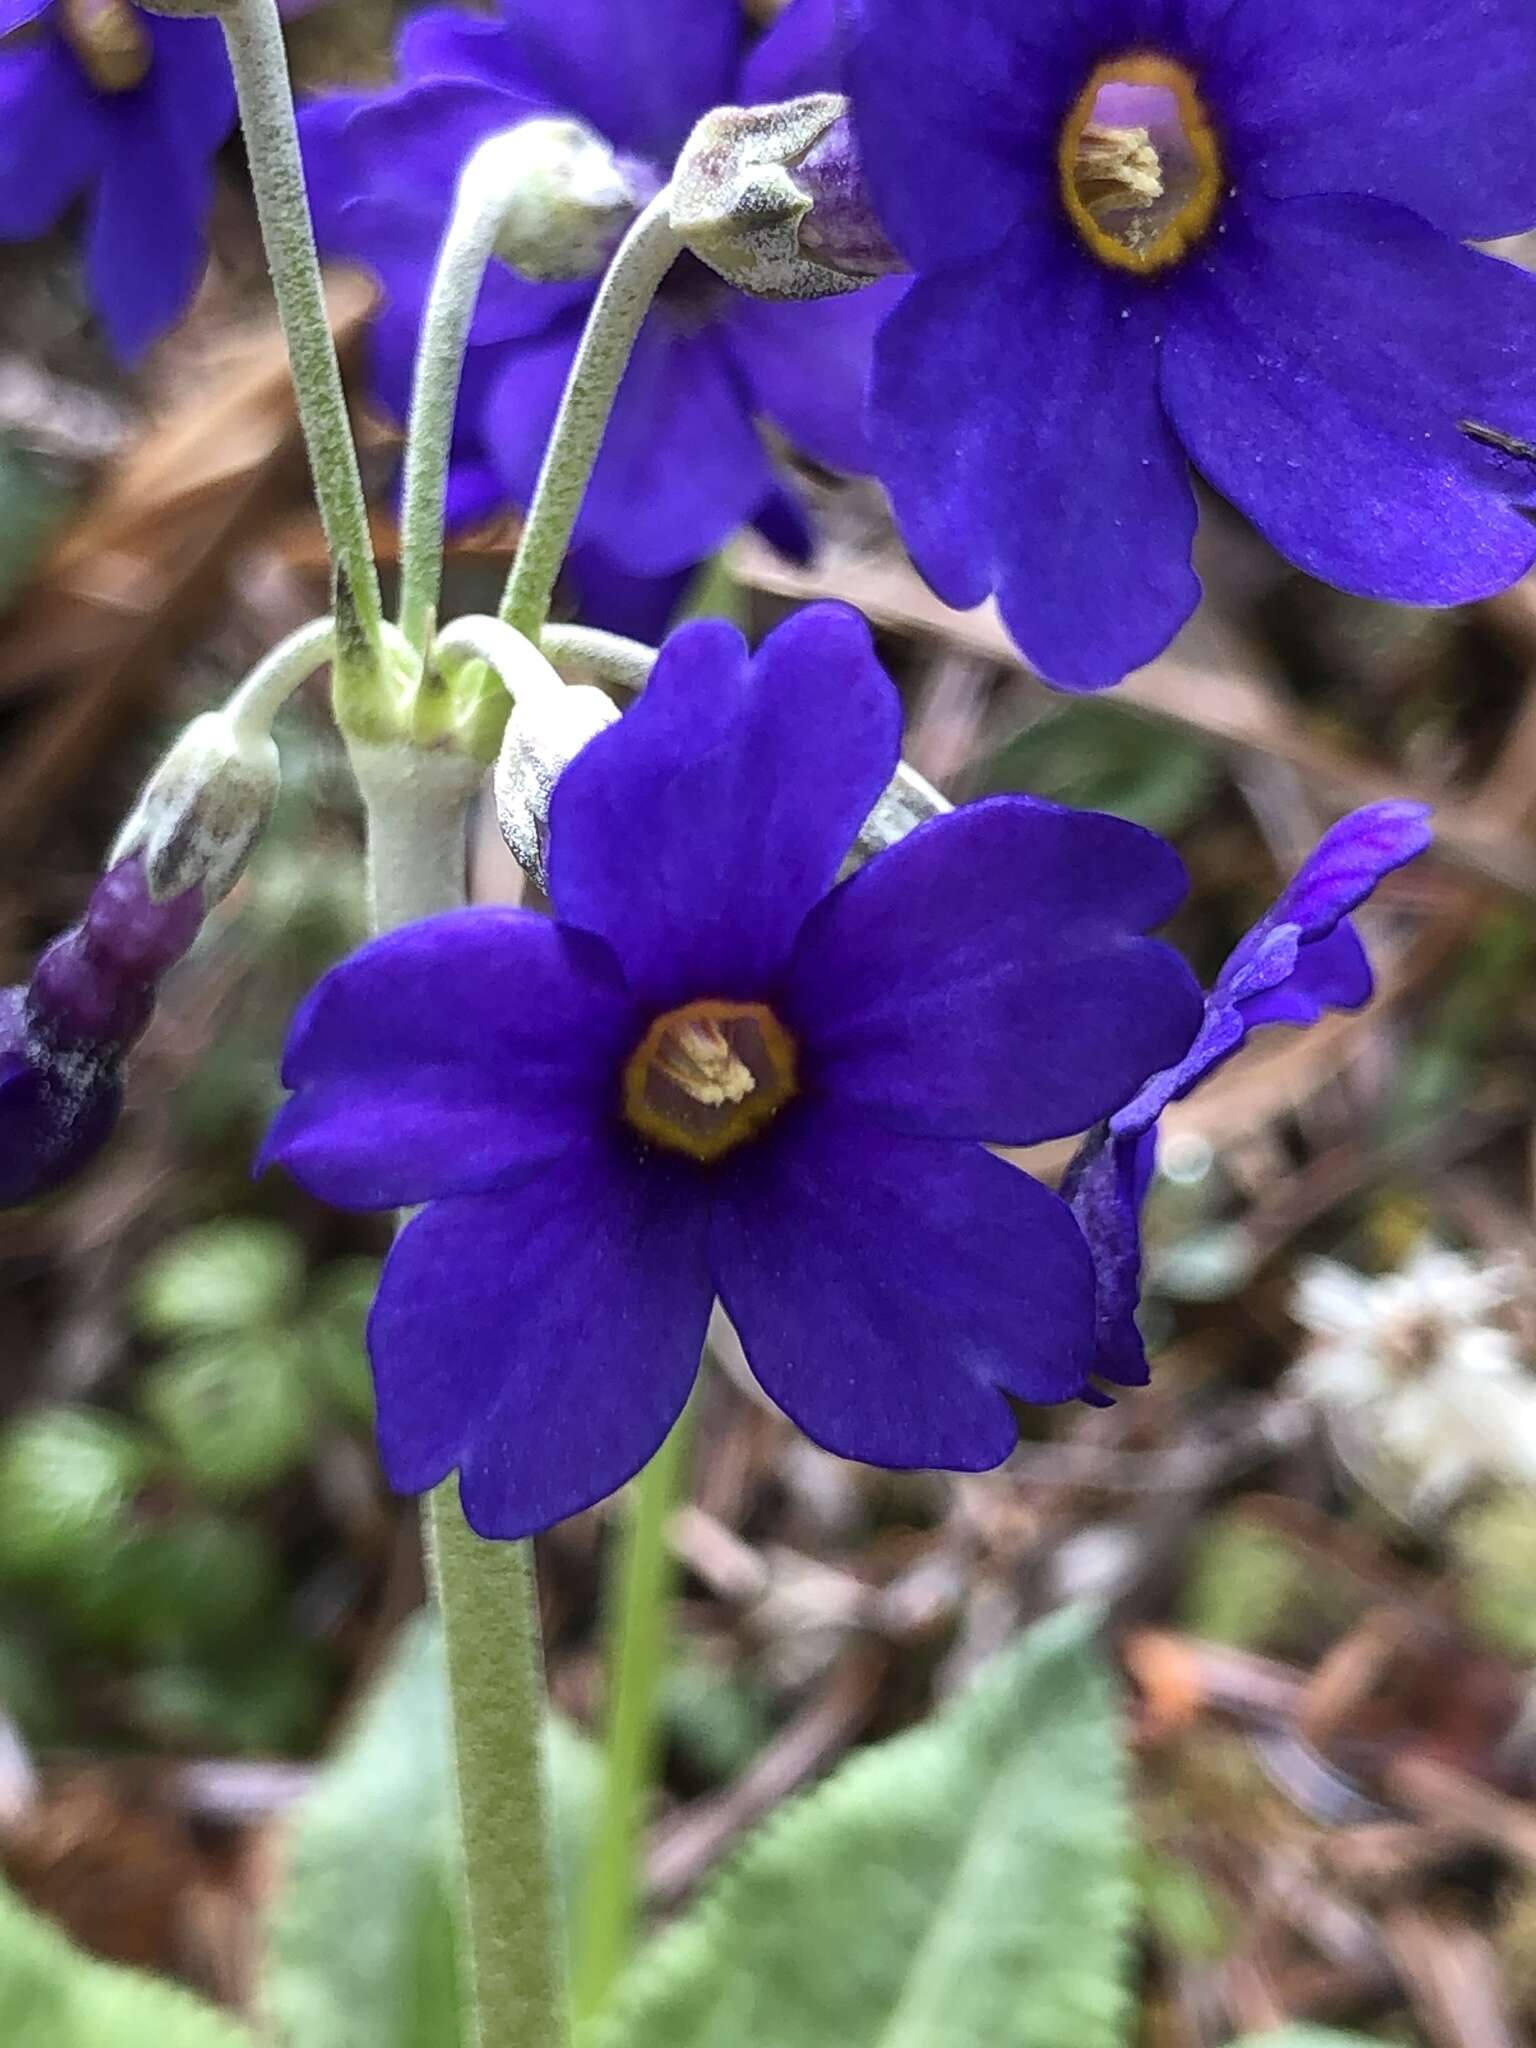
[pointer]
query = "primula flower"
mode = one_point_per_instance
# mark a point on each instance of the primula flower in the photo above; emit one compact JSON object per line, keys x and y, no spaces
{"x":683,"y":465}
{"x":1222,"y":234}
{"x":716,"y":1073}
{"x":1302,"y":959}
{"x":65,"y":1034}
{"x":102,"y":102}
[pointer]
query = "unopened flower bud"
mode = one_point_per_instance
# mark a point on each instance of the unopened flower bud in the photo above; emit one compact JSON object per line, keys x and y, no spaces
{"x":64,"y":1036}
{"x":543,"y":736}
{"x":774,"y":200}
{"x":566,"y":199}
{"x":203,"y":809}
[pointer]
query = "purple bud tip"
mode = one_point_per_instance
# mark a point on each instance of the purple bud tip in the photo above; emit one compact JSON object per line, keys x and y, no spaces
{"x":94,"y":988}
{"x":57,"y":1109}
{"x":842,"y":229}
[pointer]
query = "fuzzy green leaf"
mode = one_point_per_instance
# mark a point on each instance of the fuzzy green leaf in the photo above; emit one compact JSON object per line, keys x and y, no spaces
{"x":361,"y":1940}
{"x":963,"y":1886}
{"x":54,"y":1996}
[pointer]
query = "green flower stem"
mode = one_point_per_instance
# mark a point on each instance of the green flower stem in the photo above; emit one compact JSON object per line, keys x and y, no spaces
{"x":605,"y":657}
{"x":644,"y":257}
{"x":479,"y":208}
{"x":255,"y":38}
{"x":515,"y":1994}
{"x":276,"y":676}
{"x":523,"y":670}
{"x":638,"y":1601}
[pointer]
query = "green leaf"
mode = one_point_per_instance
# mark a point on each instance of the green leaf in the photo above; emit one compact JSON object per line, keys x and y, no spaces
{"x":235,"y":1274}
{"x":52,"y":1995}
{"x":361,"y":1939}
{"x":964,"y":1886}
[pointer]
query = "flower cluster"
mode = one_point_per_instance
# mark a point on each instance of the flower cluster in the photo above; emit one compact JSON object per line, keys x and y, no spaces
{"x":103,"y":102}
{"x":1215,"y":234}
{"x":683,"y":464}
{"x":719,"y":1071}
{"x":1302,"y":959}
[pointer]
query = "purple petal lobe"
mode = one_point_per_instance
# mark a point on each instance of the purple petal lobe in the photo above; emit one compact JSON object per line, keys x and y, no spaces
{"x":889,"y":1290}
{"x":958,"y":111}
{"x":145,"y":247}
{"x":809,"y":367}
{"x":454,"y":1056}
{"x":1017,"y":427}
{"x":696,"y":833}
{"x":52,"y":137}
{"x":800,"y":52}
{"x":543,"y":1340}
{"x":987,"y":978}
{"x":1105,"y":1186}
{"x":1317,"y":368}
{"x":1422,"y":103}
{"x":681,"y":467}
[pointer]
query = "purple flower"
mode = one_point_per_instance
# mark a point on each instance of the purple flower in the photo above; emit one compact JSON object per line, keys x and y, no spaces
{"x":64,"y":1036}
{"x":683,"y":465}
{"x":124,"y":110}
{"x":718,"y":1071}
{"x":1227,"y":235}
{"x":1301,"y":959}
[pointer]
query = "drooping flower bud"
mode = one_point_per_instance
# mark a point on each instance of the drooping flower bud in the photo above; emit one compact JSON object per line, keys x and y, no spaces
{"x":65,"y":1034}
{"x":544,"y":734}
{"x":204,"y":808}
{"x":774,"y":200}
{"x":565,"y":198}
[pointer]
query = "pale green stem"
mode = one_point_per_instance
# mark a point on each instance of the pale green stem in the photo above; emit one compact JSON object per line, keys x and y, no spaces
{"x":515,"y":1976}
{"x":255,"y":37}
{"x":523,"y":670}
{"x":479,"y":208}
{"x":276,"y":676}
{"x":644,"y":257}
{"x":605,"y":657}
{"x":637,"y":1604}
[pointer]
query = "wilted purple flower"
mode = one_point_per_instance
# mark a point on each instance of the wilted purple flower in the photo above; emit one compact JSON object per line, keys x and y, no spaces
{"x":64,"y":1036}
{"x":718,"y":1073}
{"x":102,"y":102}
{"x":1227,"y":235}
{"x":1302,"y":959}
{"x":683,"y":465}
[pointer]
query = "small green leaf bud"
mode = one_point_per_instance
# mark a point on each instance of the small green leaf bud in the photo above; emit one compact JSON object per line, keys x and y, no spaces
{"x":203,"y":809}
{"x":544,"y":734}
{"x":774,"y":200}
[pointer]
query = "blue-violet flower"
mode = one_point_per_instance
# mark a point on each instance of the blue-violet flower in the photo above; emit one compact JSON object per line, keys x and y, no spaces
{"x":1152,"y":235}
{"x":683,"y":465}
{"x":718,"y":1071}
{"x":101,"y":101}
{"x":1302,"y":959}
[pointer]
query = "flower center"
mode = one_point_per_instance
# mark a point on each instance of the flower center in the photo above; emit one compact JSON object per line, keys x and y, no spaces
{"x":1141,"y":172}
{"x":709,"y":1076}
{"x":110,"y":39}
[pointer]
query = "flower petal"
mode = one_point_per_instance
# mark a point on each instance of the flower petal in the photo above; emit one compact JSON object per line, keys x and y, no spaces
{"x":191,"y":86}
{"x":808,"y":364}
{"x":1017,"y":427}
{"x":146,"y":232}
{"x":1105,"y":1187}
{"x":52,"y":137}
{"x":799,"y":52}
{"x":1317,"y":365}
{"x":889,"y":1290}
{"x":958,"y":112}
{"x":986,"y":977}
{"x":641,"y":75}
{"x":448,"y":1058}
{"x":681,"y":466}
{"x":696,"y":833}
{"x":1409,"y":100}
{"x":543,"y":1340}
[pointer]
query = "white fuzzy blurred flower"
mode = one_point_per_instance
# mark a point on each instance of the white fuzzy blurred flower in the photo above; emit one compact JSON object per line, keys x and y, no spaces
{"x":1419,"y":1375}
